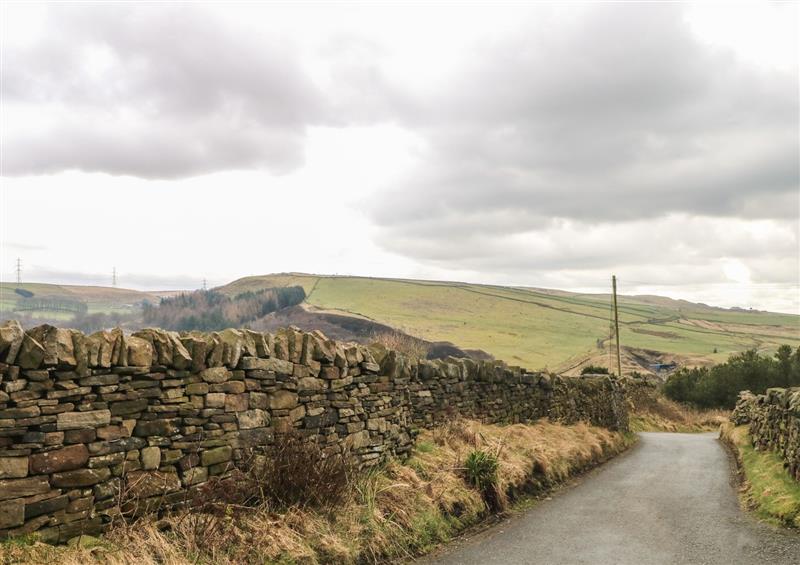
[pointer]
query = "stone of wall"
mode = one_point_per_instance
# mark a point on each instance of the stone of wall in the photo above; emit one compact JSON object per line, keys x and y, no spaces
{"x":86,"y":421}
{"x":774,"y":420}
{"x":743,"y":411}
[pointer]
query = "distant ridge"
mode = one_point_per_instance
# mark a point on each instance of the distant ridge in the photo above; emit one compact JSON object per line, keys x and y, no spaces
{"x":539,"y":328}
{"x":534,"y":327}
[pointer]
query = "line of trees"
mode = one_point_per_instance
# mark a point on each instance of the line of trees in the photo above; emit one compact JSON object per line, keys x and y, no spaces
{"x":719,"y":386}
{"x":210,"y":310}
{"x":30,"y":304}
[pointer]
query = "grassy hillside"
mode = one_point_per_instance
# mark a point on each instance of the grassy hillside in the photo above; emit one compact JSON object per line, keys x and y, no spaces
{"x":535,"y":328}
{"x":98,"y":299}
{"x":540,"y":328}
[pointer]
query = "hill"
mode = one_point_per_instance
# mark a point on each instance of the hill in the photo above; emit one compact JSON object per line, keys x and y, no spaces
{"x":539,"y":328}
{"x":532,"y":327}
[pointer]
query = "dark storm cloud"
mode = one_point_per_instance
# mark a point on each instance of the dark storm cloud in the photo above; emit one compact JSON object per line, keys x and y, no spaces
{"x":156,"y":92}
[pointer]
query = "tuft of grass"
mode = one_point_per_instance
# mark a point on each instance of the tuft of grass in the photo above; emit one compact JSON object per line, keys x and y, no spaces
{"x":480,"y":469}
{"x":424,"y":447}
{"x":431,"y":529}
{"x":23,"y":540}
{"x":768,"y":489}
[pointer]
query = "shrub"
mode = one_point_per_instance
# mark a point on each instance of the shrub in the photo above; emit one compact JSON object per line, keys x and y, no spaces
{"x":594,"y":370}
{"x":292,"y":471}
{"x":293,"y":474}
{"x":297,"y":472}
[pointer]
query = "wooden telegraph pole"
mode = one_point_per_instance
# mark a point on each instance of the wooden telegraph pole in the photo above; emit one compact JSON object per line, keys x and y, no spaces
{"x":616,"y":323}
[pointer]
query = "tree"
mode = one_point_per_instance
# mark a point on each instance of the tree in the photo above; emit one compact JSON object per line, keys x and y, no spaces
{"x":784,"y":357}
{"x":719,"y":386}
{"x":795,"y":376}
{"x":209,"y":310}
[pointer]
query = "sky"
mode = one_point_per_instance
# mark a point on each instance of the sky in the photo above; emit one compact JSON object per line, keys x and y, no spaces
{"x":546,"y":144}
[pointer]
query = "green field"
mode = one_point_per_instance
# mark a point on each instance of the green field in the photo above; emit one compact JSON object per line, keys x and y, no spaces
{"x":541,"y":328}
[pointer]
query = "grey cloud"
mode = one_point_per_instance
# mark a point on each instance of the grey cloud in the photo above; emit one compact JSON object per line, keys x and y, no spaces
{"x":167,"y":149}
{"x":664,"y":244}
{"x":619,"y":116}
{"x":156,"y":92}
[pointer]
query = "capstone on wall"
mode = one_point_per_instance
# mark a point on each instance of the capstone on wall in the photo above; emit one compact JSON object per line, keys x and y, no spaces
{"x":89,"y":420}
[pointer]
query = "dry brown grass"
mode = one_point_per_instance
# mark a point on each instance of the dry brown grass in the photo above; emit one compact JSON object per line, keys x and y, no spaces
{"x":402,"y":342}
{"x":651,"y":411}
{"x":398,"y":510}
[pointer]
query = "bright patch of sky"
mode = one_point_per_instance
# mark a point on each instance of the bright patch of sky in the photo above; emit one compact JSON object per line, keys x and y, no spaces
{"x":547,"y":145}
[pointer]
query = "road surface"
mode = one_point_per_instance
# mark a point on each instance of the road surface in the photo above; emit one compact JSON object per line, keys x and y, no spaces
{"x":670,"y":500}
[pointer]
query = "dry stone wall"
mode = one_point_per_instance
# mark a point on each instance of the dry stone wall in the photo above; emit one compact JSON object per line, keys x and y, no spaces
{"x":774,"y":420}
{"x":90,"y":421}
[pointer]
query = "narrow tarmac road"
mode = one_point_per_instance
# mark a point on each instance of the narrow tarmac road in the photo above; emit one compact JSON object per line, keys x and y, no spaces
{"x":670,"y":500}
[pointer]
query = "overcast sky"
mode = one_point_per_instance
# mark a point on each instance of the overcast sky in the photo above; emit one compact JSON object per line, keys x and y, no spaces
{"x":547,"y":145}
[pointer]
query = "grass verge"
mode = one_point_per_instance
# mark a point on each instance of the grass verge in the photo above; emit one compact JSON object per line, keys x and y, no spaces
{"x":396,"y":511}
{"x":767,"y":488}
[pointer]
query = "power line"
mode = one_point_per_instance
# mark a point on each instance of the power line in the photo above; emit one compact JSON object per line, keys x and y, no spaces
{"x":114,"y":277}
{"x":19,"y":271}
{"x":205,"y":284}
